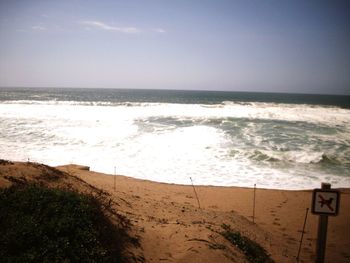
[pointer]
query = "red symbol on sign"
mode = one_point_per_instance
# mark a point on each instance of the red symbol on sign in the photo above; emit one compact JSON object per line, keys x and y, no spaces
{"x":326,"y":202}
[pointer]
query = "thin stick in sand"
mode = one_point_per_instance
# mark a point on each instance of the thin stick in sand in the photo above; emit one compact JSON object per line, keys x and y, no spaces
{"x":254,"y":203}
{"x":194,"y":189}
{"x":302,"y":234}
{"x":114,"y":178}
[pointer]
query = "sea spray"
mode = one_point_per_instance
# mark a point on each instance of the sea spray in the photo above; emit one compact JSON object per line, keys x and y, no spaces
{"x":217,"y":138}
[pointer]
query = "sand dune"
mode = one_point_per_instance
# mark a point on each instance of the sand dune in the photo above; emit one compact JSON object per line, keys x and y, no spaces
{"x":172,"y":228}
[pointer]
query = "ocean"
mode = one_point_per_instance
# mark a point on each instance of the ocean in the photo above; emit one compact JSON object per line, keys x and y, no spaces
{"x":279,"y":141}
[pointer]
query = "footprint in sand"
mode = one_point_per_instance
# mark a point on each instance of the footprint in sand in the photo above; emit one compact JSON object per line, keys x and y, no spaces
{"x":275,"y":221}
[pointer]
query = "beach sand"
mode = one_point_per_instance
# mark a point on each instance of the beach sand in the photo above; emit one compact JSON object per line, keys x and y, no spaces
{"x":172,"y":228}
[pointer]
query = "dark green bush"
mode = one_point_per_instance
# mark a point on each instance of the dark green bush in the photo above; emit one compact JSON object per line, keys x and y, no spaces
{"x":253,"y":251}
{"x":39,"y":224}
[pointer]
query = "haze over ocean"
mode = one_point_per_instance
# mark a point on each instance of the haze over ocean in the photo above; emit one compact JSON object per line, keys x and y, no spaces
{"x":285,"y":141}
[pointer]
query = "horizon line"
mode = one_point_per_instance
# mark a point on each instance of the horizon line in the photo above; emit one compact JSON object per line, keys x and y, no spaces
{"x":176,"y":89}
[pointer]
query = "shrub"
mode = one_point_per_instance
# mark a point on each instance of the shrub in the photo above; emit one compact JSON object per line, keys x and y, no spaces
{"x":253,"y":251}
{"x":39,"y":224}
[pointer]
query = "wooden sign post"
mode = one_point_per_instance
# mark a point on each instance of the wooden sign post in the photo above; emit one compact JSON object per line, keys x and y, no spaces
{"x":325,"y":202}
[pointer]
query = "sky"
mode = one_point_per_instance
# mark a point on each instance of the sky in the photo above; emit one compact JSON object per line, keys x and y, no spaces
{"x":252,"y":45}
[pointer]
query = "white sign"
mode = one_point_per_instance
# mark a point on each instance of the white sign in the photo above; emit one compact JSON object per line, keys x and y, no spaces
{"x":325,"y":202}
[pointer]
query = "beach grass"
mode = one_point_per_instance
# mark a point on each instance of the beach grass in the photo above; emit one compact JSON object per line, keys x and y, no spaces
{"x":253,"y":251}
{"x":40,"y":224}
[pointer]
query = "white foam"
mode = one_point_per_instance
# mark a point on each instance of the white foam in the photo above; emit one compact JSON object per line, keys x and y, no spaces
{"x":258,"y":110}
{"x":296,"y":156}
{"x":103,"y":137}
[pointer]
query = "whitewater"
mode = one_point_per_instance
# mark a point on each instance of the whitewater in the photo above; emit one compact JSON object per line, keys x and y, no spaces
{"x":222,"y":142}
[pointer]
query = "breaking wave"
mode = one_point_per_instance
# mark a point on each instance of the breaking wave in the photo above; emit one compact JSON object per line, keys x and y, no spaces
{"x":252,"y":110}
{"x":276,"y":145}
{"x":296,"y":157}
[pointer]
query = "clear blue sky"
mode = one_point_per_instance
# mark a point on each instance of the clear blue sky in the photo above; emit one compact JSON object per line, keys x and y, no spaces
{"x":275,"y":46}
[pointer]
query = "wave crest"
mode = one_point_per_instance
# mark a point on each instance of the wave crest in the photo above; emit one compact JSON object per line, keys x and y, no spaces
{"x":302,"y":157}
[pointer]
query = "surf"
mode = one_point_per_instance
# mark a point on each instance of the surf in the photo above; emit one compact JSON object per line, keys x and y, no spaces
{"x":216,"y":142}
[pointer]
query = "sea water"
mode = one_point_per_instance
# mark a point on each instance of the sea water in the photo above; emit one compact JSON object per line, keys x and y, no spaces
{"x":281,"y":141}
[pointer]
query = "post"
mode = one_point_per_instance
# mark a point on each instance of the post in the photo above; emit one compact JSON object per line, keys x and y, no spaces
{"x":194,"y":189}
{"x":254,"y":203}
{"x":302,"y":234}
{"x":322,"y":232}
{"x":114,"y":178}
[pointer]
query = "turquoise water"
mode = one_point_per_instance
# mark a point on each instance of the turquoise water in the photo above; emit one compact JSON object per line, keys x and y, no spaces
{"x":286,"y":141}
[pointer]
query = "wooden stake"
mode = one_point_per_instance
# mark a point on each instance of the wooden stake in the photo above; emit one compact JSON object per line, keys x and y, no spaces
{"x":302,"y":234}
{"x":254,"y":203}
{"x":194,"y":189}
{"x":114,"y":178}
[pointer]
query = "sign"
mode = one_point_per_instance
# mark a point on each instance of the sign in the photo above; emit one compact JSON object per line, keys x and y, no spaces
{"x":325,"y":202}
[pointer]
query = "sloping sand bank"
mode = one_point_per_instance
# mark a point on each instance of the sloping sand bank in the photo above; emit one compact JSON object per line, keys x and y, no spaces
{"x":172,"y":228}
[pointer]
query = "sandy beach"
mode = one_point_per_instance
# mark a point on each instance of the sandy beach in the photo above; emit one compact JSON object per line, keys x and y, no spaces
{"x":172,"y":228}
{"x":174,"y":131}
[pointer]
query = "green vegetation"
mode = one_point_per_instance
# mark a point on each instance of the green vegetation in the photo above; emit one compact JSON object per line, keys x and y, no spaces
{"x":39,"y":224}
{"x":253,"y":251}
